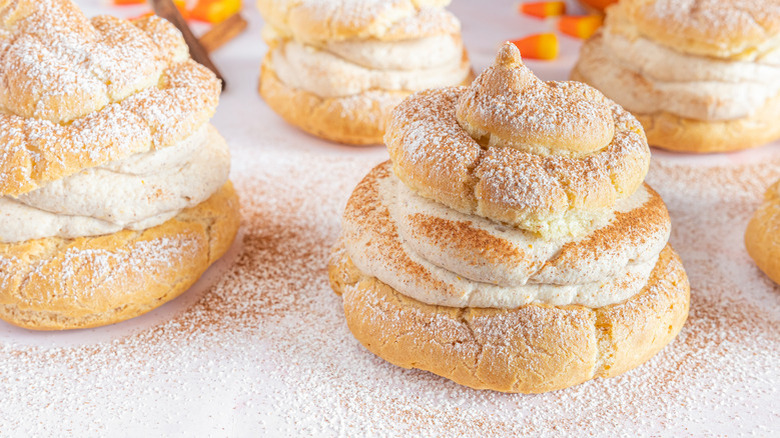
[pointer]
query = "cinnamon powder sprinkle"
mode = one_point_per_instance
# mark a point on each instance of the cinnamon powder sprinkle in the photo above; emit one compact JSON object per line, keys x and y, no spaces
{"x":266,"y":349}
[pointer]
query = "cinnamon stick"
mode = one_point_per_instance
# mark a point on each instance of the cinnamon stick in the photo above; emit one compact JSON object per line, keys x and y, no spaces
{"x":167,"y":10}
{"x":221,"y":33}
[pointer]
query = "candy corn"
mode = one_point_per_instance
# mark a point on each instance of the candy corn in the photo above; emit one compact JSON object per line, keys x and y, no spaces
{"x":580,"y":27}
{"x":540,"y":46}
{"x":598,"y":4}
{"x":544,"y":9}
{"x":215,"y":11}
{"x":181,"y":5}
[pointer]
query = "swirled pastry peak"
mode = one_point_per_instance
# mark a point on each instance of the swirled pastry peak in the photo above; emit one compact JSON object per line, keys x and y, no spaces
{"x":509,"y":106}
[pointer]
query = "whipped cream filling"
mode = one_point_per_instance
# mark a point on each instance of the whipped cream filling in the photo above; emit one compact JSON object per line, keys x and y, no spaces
{"x":345,"y":68}
{"x":429,"y":272}
{"x":687,"y":85}
{"x":139,"y":192}
{"x":407,"y":208}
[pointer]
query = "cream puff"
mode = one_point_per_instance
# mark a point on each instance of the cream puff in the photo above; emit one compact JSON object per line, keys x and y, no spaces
{"x":762,"y":237}
{"x":701,"y":75}
{"x":337,"y":68}
{"x":510,"y":243}
{"x":114,"y":191}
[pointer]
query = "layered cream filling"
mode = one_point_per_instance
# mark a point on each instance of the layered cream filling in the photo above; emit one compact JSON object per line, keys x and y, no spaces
{"x":689,"y":86}
{"x":345,"y":68}
{"x":412,"y":244}
{"x":135,"y":193}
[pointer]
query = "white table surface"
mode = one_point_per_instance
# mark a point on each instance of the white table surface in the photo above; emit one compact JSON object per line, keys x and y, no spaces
{"x":260,"y":347}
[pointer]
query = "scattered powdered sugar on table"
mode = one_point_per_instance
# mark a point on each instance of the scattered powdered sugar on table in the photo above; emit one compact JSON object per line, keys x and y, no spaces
{"x":267,"y":351}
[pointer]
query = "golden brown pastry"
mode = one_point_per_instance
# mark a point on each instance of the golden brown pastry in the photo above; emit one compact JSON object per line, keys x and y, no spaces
{"x":114,"y":196}
{"x":762,"y":237}
{"x":511,"y":244}
{"x":701,"y":75}
{"x":337,"y":68}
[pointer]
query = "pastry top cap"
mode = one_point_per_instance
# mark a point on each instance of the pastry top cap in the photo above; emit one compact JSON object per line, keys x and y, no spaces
{"x":719,"y":28}
{"x":314,"y":21}
{"x":542,"y":156}
{"x":508,"y":106}
{"x":77,"y":92}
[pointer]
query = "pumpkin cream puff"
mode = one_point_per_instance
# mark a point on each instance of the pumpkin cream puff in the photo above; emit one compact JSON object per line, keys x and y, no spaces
{"x":114,"y":191}
{"x":510,"y":242}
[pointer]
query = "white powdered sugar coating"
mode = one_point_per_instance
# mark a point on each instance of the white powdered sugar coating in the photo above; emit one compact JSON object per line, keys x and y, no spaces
{"x":385,"y":220}
{"x":313,"y":21}
{"x":267,"y":351}
{"x":145,"y":258}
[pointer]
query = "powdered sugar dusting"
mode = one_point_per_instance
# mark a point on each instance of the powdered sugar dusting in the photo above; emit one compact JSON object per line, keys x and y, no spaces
{"x":143,"y":259}
{"x":317,"y":20}
{"x":267,"y":351}
{"x":732,"y":29}
{"x":76,"y":93}
{"x":732,"y":18}
{"x":435,"y":156}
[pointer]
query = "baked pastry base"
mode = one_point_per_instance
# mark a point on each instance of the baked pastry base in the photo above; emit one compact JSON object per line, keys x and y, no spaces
{"x":680,"y":134}
{"x":530,"y":349}
{"x":56,"y":283}
{"x":762,"y":238}
{"x":356,"y":120}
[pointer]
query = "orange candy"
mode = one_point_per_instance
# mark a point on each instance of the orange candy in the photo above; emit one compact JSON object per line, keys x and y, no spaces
{"x":541,"y":46}
{"x":544,"y":9}
{"x":215,"y":11}
{"x":580,"y":27}
{"x":598,"y":4}
{"x":181,"y":5}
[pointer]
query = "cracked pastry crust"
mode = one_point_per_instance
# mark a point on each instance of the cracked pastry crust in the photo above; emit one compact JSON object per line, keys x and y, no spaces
{"x":717,"y":28}
{"x":56,"y":283}
{"x":762,"y":237}
{"x":530,"y":349}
